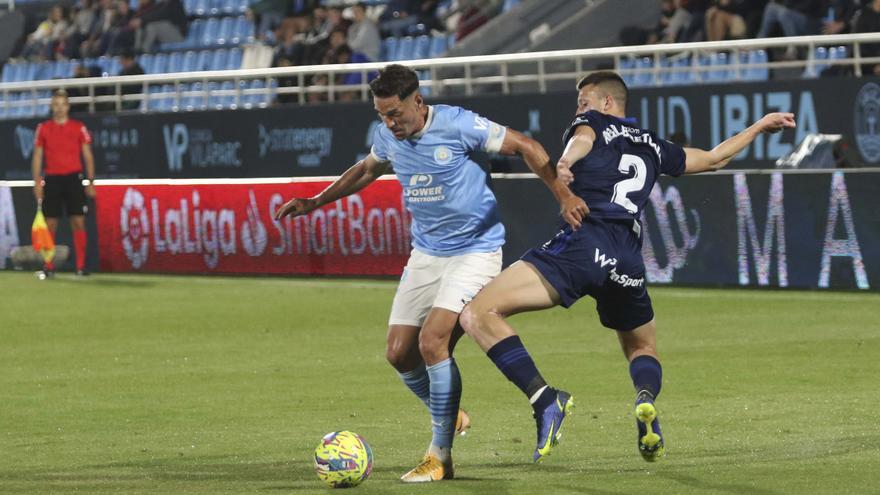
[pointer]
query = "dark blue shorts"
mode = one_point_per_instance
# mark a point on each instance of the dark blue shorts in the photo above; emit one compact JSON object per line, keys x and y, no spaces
{"x":602,"y":259}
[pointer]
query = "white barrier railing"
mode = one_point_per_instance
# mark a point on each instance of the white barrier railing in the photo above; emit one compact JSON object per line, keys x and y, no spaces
{"x":448,"y":74}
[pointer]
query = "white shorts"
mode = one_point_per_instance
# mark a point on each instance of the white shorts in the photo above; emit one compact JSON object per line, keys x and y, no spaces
{"x":440,"y":282}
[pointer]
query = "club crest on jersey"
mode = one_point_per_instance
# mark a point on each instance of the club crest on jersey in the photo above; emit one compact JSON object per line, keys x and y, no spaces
{"x":442,"y":155}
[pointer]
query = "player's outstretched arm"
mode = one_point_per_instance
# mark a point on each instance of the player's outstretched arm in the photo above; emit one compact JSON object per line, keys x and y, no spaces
{"x":359,"y":176}
{"x":572,"y":208}
{"x":698,"y":160}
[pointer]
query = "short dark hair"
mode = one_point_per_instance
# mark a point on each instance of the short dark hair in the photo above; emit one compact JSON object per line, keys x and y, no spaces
{"x":60,"y":93}
{"x":395,"y":80}
{"x":609,"y":82}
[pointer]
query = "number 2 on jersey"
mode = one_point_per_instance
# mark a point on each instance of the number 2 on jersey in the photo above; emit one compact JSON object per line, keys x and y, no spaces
{"x":634,"y":183}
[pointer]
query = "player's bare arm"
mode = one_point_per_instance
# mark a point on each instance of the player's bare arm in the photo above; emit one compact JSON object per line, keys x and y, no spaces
{"x":359,"y":176}
{"x":36,"y":172}
{"x":572,"y":208}
{"x":698,"y":160}
{"x":90,"y":169}
{"x":577,"y":147}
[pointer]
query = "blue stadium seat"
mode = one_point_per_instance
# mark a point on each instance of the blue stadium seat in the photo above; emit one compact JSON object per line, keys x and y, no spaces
{"x":189,"y":6}
{"x":438,"y":46}
{"x":224,"y":32}
{"x":43,"y":70}
{"x":722,"y":72}
{"x":193,"y":37}
{"x":758,"y":73}
{"x":112,"y":67}
{"x":209,"y":32}
{"x":234,"y":60}
{"x":160,"y":63}
{"x":29,"y":72}
{"x":219,"y":59}
{"x":10,"y":72}
{"x":627,"y":63}
{"x":146,"y":62}
{"x":167,"y":104}
{"x":405,"y":48}
{"x":175,"y":62}
{"x":201,"y":7}
{"x":4,"y":109}
{"x":422,"y":47}
{"x":243,"y":6}
{"x":242,"y":31}
{"x":820,"y":54}
{"x":42,"y":109}
{"x":253,"y":100}
{"x":229,"y":7}
{"x":388,"y":49}
{"x":203,"y":60}
{"x":644,"y":78}
{"x":189,"y":62}
{"x":215,"y":7}
{"x":196,"y":101}
{"x":450,"y":41}
{"x":64,"y":69}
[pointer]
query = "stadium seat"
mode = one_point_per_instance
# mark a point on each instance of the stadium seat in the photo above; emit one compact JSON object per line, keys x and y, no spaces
{"x":820,"y":55}
{"x":422,"y":47}
{"x":643,"y":78}
{"x":405,"y":48}
{"x":43,"y":70}
{"x":234,"y":60}
{"x":215,"y":7}
{"x":203,"y":60}
{"x":224,"y":31}
{"x":201,"y":7}
{"x":243,"y":31}
{"x":253,"y":100}
{"x":146,"y":62}
{"x":167,"y":103}
{"x":438,"y":46}
{"x":626,"y":64}
{"x":219,"y":59}
{"x":757,"y":73}
{"x":229,"y":7}
{"x":243,"y":6}
{"x":388,"y":49}
{"x":209,"y":32}
{"x":190,"y":62}
{"x":160,"y":63}
{"x":63,"y":69}
{"x":175,"y":62}
{"x":10,"y":72}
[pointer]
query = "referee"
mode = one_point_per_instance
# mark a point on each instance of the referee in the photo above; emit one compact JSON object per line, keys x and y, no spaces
{"x":58,"y":187}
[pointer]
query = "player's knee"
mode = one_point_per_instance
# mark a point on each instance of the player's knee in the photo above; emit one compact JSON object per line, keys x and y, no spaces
{"x":399,"y":357}
{"x":473,"y":318}
{"x":433,"y":348}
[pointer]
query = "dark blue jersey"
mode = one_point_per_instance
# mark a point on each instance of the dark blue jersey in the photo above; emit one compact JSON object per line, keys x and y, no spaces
{"x":616,"y":176}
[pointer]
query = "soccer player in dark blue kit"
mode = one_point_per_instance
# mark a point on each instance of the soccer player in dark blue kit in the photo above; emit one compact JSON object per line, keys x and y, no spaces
{"x":611,"y":165}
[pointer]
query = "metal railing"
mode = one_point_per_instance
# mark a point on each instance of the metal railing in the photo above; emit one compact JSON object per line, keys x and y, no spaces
{"x":505,"y":74}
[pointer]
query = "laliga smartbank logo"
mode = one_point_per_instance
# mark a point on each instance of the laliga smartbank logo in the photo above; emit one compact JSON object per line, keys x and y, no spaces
{"x":187,"y":228}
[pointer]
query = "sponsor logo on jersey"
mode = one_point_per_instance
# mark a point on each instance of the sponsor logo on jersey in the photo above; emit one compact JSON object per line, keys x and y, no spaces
{"x":420,"y":190}
{"x":625,"y":280}
{"x":603,"y":260}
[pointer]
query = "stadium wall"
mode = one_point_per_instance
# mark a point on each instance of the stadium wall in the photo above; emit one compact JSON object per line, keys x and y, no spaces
{"x":322,"y":140}
{"x":814,"y":230}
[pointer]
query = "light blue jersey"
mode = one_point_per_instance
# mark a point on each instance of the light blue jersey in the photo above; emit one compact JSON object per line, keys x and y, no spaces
{"x":454,"y":211}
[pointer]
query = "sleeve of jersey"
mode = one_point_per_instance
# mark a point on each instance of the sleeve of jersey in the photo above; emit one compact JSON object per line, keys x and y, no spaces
{"x":480,"y":133}
{"x":583,"y":119}
{"x":38,"y":136}
{"x":379,"y":149}
{"x":86,"y":136}
{"x":673,"y":158}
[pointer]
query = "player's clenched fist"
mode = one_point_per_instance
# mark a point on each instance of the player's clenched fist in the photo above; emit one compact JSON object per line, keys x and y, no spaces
{"x":573,"y":210}
{"x":775,"y":122}
{"x":296,"y":207}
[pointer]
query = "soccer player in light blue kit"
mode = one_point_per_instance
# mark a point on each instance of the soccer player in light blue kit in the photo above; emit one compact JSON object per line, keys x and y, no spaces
{"x":457,"y":236}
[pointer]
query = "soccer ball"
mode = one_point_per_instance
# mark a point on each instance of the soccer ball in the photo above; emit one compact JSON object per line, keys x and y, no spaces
{"x":343,"y":459}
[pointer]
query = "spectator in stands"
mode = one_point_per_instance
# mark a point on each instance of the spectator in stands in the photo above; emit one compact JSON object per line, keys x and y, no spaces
{"x":688,"y":22}
{"x":363,"y":34}
{"x":162,"y":21}
{"x":43,"y":42}
{"x":92,"y":46}
{"x":266,"y":15}
{"x":867,"y":20}
{"x":82,"y":20}
{"x":130,"y":67}
{"x":794,"y":17}
{"x":724,"y":22}
{"x":841,"y":13}
{"x":399,"y":16}
{"x":120,"y":37}
{"x":335,"y":20}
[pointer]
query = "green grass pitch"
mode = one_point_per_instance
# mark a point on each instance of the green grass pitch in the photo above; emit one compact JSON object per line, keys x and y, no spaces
{"x":201,"y":385}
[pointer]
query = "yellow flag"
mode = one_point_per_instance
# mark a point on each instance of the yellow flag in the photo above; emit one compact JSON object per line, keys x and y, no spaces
{"x":41,"y":238}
